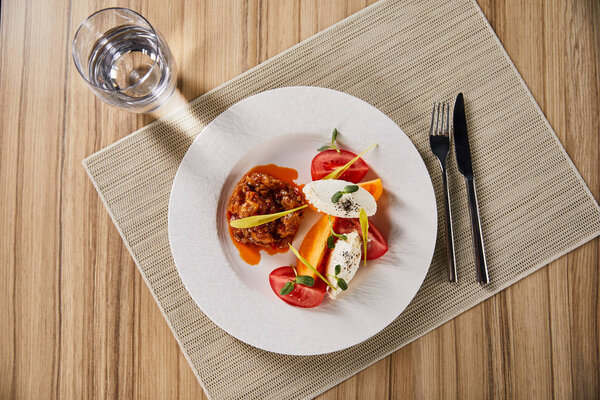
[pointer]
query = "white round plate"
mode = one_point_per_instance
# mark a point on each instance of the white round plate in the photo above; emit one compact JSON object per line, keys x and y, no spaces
{"x":285,"y":127}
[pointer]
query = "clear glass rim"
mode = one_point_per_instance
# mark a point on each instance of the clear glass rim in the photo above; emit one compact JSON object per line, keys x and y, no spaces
{"x":155,"y":40}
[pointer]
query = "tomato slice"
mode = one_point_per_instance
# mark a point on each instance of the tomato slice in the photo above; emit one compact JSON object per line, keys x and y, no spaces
{"x":327,"y":161}
{"x":301,"y":296}
{"x":376,"y":243}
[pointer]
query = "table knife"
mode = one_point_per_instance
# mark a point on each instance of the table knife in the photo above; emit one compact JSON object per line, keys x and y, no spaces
{"x":463,"y":160}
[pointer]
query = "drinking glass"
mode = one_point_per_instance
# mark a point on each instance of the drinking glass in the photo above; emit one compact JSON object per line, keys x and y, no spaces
{"x":124,"y":60}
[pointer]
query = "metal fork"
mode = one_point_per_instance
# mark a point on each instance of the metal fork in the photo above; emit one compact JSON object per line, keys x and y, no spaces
{"x":439,"y":133}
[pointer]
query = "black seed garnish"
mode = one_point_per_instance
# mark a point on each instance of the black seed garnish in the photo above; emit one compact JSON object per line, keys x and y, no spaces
{"x":347,"y":205}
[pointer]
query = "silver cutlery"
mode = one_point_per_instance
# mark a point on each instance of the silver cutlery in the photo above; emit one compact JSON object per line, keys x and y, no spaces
{"x":463,"y":161}
{"x":439,"y":133}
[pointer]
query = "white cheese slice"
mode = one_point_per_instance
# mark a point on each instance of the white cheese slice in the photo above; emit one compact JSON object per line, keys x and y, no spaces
{"x":347,"y":254}
{"x":319,"y":193}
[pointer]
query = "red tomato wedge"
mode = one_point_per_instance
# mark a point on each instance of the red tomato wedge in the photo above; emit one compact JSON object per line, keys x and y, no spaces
{"x":376,"y":243}
{"x":328,"y":161}
{"x":301,"y":296}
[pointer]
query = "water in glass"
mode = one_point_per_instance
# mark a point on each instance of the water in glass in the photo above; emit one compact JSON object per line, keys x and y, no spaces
{"x":128,"y":63}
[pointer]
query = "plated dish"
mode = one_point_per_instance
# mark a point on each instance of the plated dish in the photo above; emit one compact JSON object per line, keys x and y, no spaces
{"x":267,"y":207}
{"x":282,"y":129}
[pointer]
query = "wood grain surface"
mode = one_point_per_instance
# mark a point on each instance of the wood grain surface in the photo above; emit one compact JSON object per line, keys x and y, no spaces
{"x":77,"y":320}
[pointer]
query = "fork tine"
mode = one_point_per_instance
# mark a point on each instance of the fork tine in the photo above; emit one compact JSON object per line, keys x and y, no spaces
{"x":432,"y":116}
{"x":443,"y":115}
{"x":437,"y":121}
{"x":440,"y":119}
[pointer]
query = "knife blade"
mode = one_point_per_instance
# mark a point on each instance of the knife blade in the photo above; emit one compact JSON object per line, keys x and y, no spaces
{"x":465,"y":166}
{"x":461,"y":139}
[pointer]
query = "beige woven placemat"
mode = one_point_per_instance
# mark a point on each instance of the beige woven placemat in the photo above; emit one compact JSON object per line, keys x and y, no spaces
{"x":400,"y":56}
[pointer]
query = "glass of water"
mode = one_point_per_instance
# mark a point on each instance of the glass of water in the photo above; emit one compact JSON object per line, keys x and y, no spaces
{"x":124,"y":60}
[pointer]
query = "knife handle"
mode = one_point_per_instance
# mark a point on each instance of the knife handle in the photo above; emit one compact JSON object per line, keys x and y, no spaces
{"x":450,"y":255}
{"x":479,"y":248}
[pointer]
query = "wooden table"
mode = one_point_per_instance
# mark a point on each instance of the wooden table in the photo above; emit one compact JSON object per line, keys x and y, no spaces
{"x":77,"y":320}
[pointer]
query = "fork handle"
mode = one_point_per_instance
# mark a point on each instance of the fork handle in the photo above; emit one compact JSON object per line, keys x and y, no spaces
{"x":450,"y":255}
{"x":479,"y":248}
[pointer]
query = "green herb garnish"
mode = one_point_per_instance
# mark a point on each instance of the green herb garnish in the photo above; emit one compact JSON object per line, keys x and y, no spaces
{"x":305,"y":262}
{"x":333,"y":235}
{"x":287,"y":288}
{"x":300,"y":279}
{"x":256,"y":220}
{"x":332,"y":145}
{"x":331,"y":242}
{"x":364,"y":227}
{"x":339,"y":171}
{"x":340,"y":281}
{"x":338,"y":195}
{"x":305,"y":280}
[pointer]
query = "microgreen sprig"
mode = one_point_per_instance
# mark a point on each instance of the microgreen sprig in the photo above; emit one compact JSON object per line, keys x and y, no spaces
{"x":305,"y":262}
{"x":364,"y":227}
{"x":340,"y":281}
{"x":332,"y":145}
{"x":300,"y":279}
{"x":256,"y":220}
{"x":338,"y":195}
{"x":331,"y":238}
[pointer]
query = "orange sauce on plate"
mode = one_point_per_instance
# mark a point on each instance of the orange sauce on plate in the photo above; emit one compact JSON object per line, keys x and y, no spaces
{"x":251,"y":253}
{"x":288,"y":175}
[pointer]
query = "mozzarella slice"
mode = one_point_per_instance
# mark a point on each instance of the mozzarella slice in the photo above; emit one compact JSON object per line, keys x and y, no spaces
{"x":347,"y":254}
{"x":319,"y":193}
